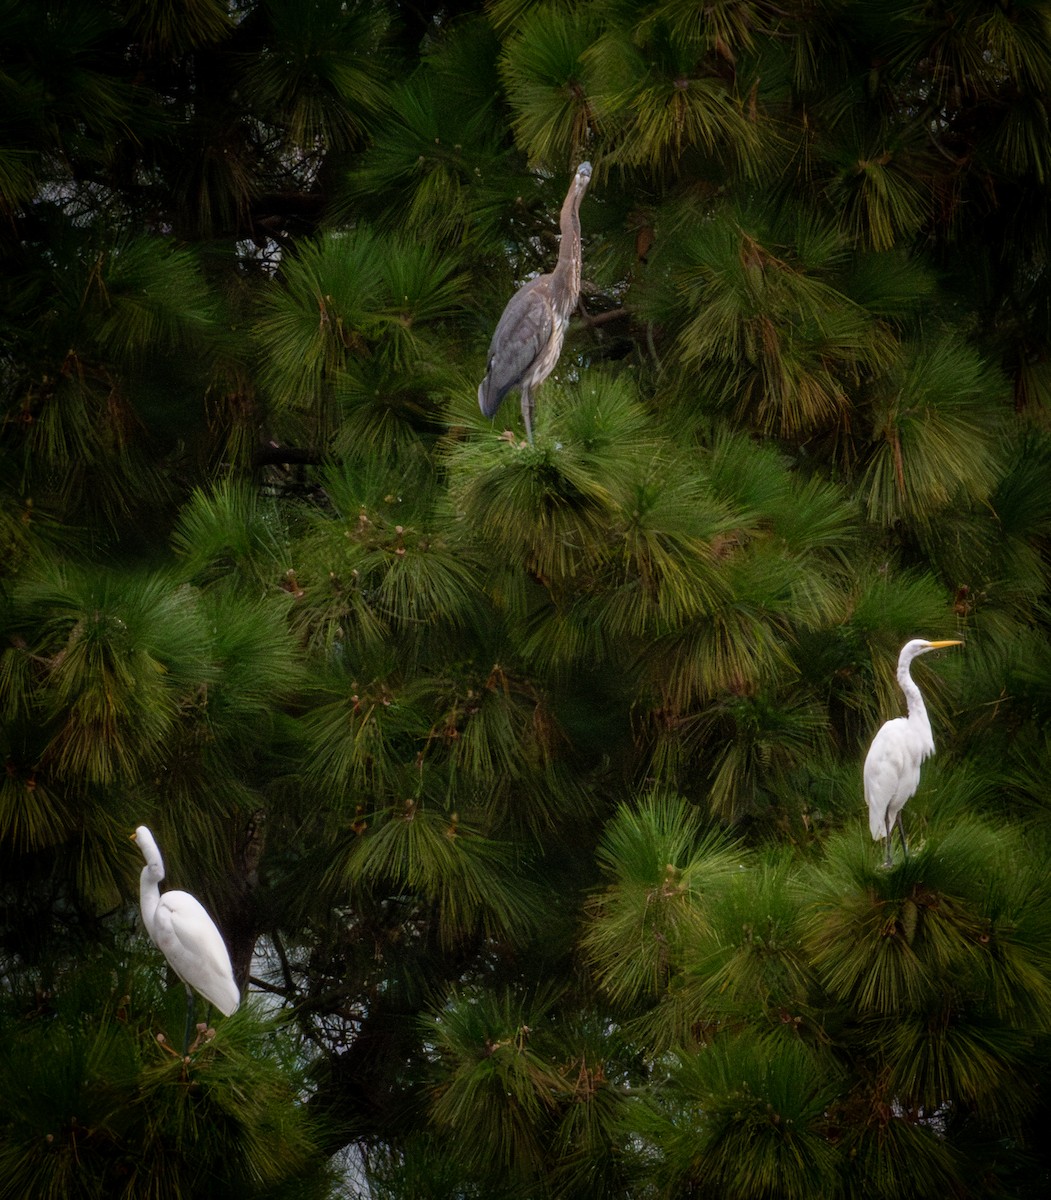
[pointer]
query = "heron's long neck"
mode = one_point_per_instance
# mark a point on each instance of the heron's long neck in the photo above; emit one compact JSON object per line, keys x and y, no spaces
{"x":567,"y":272}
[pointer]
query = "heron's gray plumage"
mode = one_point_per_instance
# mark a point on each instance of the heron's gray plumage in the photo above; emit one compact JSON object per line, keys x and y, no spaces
{"x":528,"y":337}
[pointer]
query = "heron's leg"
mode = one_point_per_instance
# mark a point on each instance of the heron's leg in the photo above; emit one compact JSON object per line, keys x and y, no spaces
{"x":189,"y":1020}
{"x":888,"y":859}
{"x":527,"y":412}
{"x":901,"y":831}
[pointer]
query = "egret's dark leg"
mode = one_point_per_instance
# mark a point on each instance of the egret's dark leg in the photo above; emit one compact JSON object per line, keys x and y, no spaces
{"x":189,"y":1020}
{"x":901,"y":830}
{"x":888,"y":860}
{"x":527,"y":412}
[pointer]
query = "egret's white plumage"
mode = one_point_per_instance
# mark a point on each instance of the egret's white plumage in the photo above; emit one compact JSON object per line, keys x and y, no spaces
{"x":185,"y":934}
{"x":892,"y":765}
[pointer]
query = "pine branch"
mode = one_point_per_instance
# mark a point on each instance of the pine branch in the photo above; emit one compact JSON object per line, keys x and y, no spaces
{"x":594,"y":320}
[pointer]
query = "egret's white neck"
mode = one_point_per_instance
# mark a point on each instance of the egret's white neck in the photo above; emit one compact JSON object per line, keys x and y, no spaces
{"x":149,"y":893}
{"x":913,"y":697}
{"x":151,"y":875}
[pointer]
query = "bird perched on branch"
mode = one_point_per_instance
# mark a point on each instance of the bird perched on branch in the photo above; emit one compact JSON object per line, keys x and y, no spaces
{"x":892,"y":765}
{"x":529,"y":335}
{"x":180,"y":927}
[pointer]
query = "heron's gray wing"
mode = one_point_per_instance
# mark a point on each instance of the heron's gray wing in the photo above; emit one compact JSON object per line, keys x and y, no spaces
{"x":525,"y":328}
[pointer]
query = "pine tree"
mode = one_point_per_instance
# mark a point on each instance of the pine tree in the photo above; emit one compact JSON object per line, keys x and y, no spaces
{"x":524,"y":780}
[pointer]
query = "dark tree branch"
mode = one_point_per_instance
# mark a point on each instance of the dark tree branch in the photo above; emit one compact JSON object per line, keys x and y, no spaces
{"x":272,"y":455}
{"x":593,"y":320}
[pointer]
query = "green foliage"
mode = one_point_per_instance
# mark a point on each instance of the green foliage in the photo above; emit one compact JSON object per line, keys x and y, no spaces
{"x":523,"y":781}
{"x":654,"y":903}
{"x":543,"y":77}
{"x":100,"y":670}
{"x":347,"y":297}
{"x":107,"y":324}
{"x":543,"y":507}
{"x":499,"y":1088}
{"x":758,"y":306}
{"x":662,"y":103}
{"x":96,"y":1102}
{"x":470,"y":882}
{"x":759,"y":1100}
{"x":935,"y":433}
{"x":876,"y":183}
{"x":439,"y":157}
{"x":159,"y":32}
{"x":747,"y":968}
{"x":320,"y":75}
{"x":231,"y":534}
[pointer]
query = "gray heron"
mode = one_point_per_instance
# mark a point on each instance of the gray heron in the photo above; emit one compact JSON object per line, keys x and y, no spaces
{"x":529,"y":335}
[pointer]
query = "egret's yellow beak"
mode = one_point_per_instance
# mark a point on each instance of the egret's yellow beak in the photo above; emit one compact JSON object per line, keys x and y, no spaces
{"x":939,"y":645}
